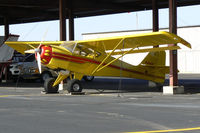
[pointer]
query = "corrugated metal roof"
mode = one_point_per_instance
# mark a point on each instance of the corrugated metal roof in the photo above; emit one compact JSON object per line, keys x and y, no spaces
{"x":22,"y":11}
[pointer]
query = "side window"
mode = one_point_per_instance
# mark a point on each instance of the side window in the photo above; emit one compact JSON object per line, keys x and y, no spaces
{"x":86,"y":51}
{"x":81,"y":49}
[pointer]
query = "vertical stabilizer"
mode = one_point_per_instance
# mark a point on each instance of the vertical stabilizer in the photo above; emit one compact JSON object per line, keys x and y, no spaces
{"x":154,"y":59}
{"x":154,"y":65}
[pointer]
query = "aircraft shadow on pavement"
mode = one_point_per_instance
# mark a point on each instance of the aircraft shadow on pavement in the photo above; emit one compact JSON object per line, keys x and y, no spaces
{"x":137,"y":85}
{"x":113,"y":84}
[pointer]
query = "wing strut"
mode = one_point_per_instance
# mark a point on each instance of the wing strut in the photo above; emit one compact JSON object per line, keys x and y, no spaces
{"x":108,"y":55}
{"x":115,"y":59}
{"x":131,"y":51}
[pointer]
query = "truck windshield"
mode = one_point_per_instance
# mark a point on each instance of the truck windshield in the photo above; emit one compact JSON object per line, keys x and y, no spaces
{"x":30,"y":58}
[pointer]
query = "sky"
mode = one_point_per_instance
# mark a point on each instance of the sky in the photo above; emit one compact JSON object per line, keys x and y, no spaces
{"x":49,"y":30}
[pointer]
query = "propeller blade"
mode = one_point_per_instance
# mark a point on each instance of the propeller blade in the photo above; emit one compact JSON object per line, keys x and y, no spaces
{"x":30,"y":51}
{"x":44,"y":36}
{"x":37,"y":51}
{"x":39,"y":62}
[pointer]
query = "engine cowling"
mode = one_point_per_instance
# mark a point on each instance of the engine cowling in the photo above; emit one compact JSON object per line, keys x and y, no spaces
{"x":45,"y":54}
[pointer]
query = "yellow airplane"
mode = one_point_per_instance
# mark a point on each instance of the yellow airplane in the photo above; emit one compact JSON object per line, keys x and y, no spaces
{"x":75,"y":59}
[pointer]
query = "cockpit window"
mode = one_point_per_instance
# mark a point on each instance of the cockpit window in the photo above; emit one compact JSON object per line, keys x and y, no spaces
{"x":85,"y":51}
{"x":80,"y":49}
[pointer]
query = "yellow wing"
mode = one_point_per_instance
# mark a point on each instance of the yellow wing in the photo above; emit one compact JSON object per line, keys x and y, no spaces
{"x":136,"y":40}
{"x":22,"y":46}
{"x":122,"y":42}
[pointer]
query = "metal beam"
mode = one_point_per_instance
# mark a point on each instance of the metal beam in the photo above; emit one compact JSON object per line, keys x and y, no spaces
{"x":173,"y":77}
{"x":71,"y":25}
{"x":29,"y":3}
{"x":62,"y":17}
{"x":6,"y":28}
{"x":155,"y":15}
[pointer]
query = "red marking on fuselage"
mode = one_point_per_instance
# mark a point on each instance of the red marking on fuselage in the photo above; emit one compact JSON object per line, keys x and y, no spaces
{"x":75,"y":57}
{"x":149,"y":63}
{"x":84,"y":60}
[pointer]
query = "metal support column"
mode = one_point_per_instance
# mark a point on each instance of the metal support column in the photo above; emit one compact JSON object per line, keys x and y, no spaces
{"x":62,"y":17}
{"x":6,"y":28}
{"x":71,"y":24}
{"x":155,"y":15}
{"x":173,"y":77}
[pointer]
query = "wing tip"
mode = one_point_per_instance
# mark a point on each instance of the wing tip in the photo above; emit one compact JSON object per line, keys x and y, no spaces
{"x":177,"y":38}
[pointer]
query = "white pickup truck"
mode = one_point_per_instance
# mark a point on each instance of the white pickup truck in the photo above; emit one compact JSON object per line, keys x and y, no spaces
{"x":26,"y":68}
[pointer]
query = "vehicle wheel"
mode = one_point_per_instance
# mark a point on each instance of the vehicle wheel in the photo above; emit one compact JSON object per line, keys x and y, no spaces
{"x":45,"y":75}
{"x":88,"y":78}
{"x":74,"y":85}
{"x":48,"y":86}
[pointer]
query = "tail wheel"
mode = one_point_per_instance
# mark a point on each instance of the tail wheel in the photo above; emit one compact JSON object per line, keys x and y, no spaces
{"x":48,"y":86}
{"x":74,"y":85}
{"x":88,"y":78}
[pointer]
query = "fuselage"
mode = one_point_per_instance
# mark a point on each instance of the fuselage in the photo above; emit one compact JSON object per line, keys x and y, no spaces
{"x":61,"y":58}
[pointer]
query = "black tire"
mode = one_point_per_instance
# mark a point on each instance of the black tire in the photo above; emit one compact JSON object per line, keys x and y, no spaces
{"x":74,"y":85}
{"x":48,"y":86}
{"x":45,"y":75}
{"x":88,"y":78}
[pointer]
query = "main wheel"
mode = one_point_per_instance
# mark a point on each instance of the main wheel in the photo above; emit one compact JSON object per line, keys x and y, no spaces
{"x":48,"y":86}
{"x":74,"y":85}
{"x":88,"y":78}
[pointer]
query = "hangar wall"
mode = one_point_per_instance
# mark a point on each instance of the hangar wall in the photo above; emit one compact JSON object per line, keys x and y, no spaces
{"x":188,"y":59}
{"x":6,"y":52}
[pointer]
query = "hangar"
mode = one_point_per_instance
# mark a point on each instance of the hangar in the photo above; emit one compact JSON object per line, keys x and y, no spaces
{"x":22,"y":11}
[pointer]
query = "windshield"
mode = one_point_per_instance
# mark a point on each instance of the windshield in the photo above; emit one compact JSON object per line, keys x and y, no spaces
{"x":70,"y":46}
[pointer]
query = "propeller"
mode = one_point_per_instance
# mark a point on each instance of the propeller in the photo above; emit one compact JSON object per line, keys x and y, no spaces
{"x":37,"y":51}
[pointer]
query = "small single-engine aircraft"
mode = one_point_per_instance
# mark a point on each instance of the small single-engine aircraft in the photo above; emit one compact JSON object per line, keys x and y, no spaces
{"x":75,"y":59}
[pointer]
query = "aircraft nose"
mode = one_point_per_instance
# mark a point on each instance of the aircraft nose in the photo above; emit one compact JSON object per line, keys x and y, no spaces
{"x":46,"y":54}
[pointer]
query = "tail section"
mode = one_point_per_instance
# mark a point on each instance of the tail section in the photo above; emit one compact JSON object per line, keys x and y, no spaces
{"x":154,"y":59}
{"x":154,"y":66}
